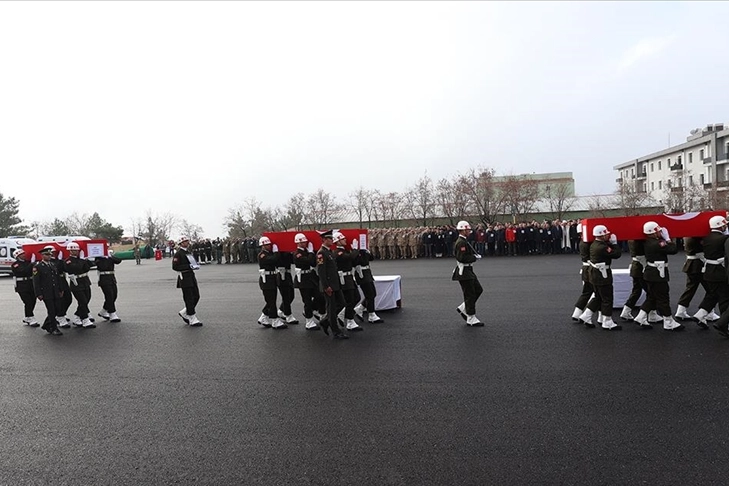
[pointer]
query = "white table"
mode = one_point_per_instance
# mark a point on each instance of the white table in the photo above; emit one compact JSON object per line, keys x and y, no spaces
{"x":622,"y":285}
{"x":389,"y":289}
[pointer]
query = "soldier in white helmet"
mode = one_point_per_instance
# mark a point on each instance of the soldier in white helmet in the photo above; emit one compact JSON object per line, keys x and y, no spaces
{"x":22,"y":269}
{"x":184,"y":263}
{"x":78,"y":274}
{"x":306,"y":281}
{"x":345,"y":260}
{"x":603,"y":251}
{"x":464,"y":274}
{"x":107,"y":282}
{"x":713,"y":271}
{"x":267,"y":275}
{"x":658,"y":246}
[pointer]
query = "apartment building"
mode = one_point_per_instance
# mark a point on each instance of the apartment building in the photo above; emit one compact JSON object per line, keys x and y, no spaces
{"x":702,"y":162}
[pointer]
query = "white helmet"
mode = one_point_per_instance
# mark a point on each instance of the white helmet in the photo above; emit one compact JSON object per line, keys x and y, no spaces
{"x":182,"y":239}
{"x":264,"y":240}
{"x":600,"y":230}
{"x":18,"y":252}
{"x":73,"y":247}
{"x":651,"y":227}
{"x":337,"y":236}
{"x":717,"y":222}
{"x":111,"y":252}
{"x":463,"y":225}
{"x":300,"y":238}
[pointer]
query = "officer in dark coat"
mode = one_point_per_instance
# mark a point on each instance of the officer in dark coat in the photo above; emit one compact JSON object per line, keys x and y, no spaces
{"x":285,"y":284}
{"x":306,"y":281}
{"x":658,"y":246}
{"x":80,"y":283}
{"x":463,"y":273}
{"x":185,"y":264}
{"x":23,"y":277}
{"x":637,"y":265}
{"x":714,"y":273}
{"x":366,"y":281}
{"x":267,"y":281}
{"x":47,"y":288}
{"x":329,"y":285}
{"x":107,"y":282}
{"x":67,"y":297}
{"x":603,"y":250}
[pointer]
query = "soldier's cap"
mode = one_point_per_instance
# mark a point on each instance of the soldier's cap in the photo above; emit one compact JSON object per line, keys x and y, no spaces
{"x":326,"y":234}
{"x":47,"y":250}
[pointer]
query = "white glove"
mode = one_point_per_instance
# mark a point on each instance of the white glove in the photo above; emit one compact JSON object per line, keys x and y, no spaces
{"x":664,"y":234}
{"x":310,"y":247}
{"x":275,"y":248}
{"x":355,"y":244}
{"x":478,"y":256}
{"x":613,"y":239}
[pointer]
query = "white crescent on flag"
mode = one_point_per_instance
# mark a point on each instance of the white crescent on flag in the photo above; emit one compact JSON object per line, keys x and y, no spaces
{"x":681,"y":217}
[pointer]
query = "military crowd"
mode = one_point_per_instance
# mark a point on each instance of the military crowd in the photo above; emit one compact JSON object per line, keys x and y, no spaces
{"x":704,"y":267}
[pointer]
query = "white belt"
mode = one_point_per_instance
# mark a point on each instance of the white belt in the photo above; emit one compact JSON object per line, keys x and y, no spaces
{"x":342,"y":275}
{"x":263,"y":274}
{"x":639,"y":259}
{"x":661,"y":266}
{"x":23,"y":279}
{"x":720,"y":261}
{"x":359,"y":269}
{"x":461,"y":266}
{"x":299,"y":272}
{"x":110,"y":272}
{"x":585,"y":264}
{"x":81,"y":275}
{"x":602,"y":267}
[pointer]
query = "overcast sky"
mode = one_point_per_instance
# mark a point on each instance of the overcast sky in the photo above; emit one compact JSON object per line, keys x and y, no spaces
{"x":192,"y":107}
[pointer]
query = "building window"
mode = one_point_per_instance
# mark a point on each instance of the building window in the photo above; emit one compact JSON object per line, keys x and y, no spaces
{"x":659,"y":165}
{"x":678,"y":161}
{"x":660,"y":184}
{"x":691,"y":157}
{"x":668,"y":184}
{"x":653,"y":186}
{"x":632,"y":172}
{"x":644,"y":186}
{"x":668,"y":162}
{"x":651,"y":166}
{"x":691,"y":180}
{"x":701,"y":179}
{"x":701,"y":155}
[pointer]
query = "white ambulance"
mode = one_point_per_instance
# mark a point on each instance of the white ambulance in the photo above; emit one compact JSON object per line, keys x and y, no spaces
{"x":7,"y":248}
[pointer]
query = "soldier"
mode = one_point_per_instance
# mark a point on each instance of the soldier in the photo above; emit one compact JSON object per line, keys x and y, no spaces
{"x":208,"y":246}
{"x":345,"y":264}
{"x":714,"y":276}
{"x":107,"y":282}
{"x":78,"y":274}
{"x":226,"y":250}
{"x":375,"y":242}
{"x":137,"y":253}
{"x":587,"y":289}
{"x":250,"y":244}
{"x":329,"y":285}
{"x":285,"y":286}
{"x":400,"y":242}
{"x":637,"y":266}
{"x":365,"y":280}
{"x":23,"y":278}
{"x":693,"y":268}
{"x":305,"y":280}
{"x":658,"y":246}
{"x":47,"y":289}
{"x":185,"y":264}
{"x":66,"y":297}
{"x":464,"y":274}
{"x":267,"y":282}
{"x":603,"y":250}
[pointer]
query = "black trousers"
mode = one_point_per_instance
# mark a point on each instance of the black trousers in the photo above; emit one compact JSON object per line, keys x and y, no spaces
{"x":53,"y":307}
{"x":65,"y":302}
{"x":287,"y":297}
{"x":639,"y":286}
{"x":351,"y":299}
{"x":587,"y":290}
{"x":309,"y":300}
{"x":110,"y":294}
{"x":83,"y":297}
{"x":269,"y":296}
{"x":658,"y":298}
{"x":334,"y":305}
{"x":472,"y":290}
{"x":28,"y":299}
{"x":716,"y":293}
{"x":693,"y":281}
{"x":370,"y":292}
{"x":191,"y":296}
{"x":603,"y":299}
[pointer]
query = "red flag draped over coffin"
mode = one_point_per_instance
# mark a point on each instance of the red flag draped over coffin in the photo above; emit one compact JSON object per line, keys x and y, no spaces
{"x":284,"y":240}
{"x":631,"y":227}
{"x":87,"y":248}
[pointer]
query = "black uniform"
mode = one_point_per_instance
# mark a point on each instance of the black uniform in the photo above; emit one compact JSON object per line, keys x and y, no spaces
{"x":326,"y":269}
{"x":285,"y":282}
{"x":693,"y":268}
{"x":78,"y":270}
{"x":186,"y":280}
{"x":267,"y":281}
{"x":364,"y":278}
{"x":23,"y":276}
{"x":587,"y":289}
{"x":656,"y":254}
{"x":107,"y":281}
{"x":602,"y":253}
{"x":305,"y":279}
{"x":345,"y":264}
{"x":470,"y":286}
{"x":47,"y":287}
{"x":67,"y":298}
{"x":714,"y":276}
{"x":637,"y":255}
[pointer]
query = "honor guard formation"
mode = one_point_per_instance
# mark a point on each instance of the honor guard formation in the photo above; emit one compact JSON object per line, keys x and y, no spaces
{"x":704,"y":266}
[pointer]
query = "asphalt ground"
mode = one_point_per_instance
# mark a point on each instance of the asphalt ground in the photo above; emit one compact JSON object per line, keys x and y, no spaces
{"x":531,"y":398}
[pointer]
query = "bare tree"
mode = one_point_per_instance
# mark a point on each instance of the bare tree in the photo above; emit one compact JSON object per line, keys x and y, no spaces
{"x":292,"y":217}
{"x":78,"y":224}
{"x":560,"y":199}
{"x":484,"y":196}
{"x":359,"y":202}
{"x":598,"y":205}
{"x":372,"y":208}
{"x":237,"y":222}
{"x":520,"y":194}
{"x":681,"y":198}
{"x":157,"y":227}
{"x":630,"y":197}
{"x":715,"y":199}
{"x":390,"y":207}
{"x":192,"y":231}
{"x":322,"y":209}
{"x":421,"y":200}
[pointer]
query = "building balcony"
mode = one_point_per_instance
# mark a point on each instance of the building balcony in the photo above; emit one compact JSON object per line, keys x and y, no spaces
{"x":725,"y":160}
{"x":719,"y":185}
{"x":642,"y":175}
{"x":619,"y":180}
{"x":677,"y":167}
{"x":707,"y":160}
{"x":677,"y":189}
